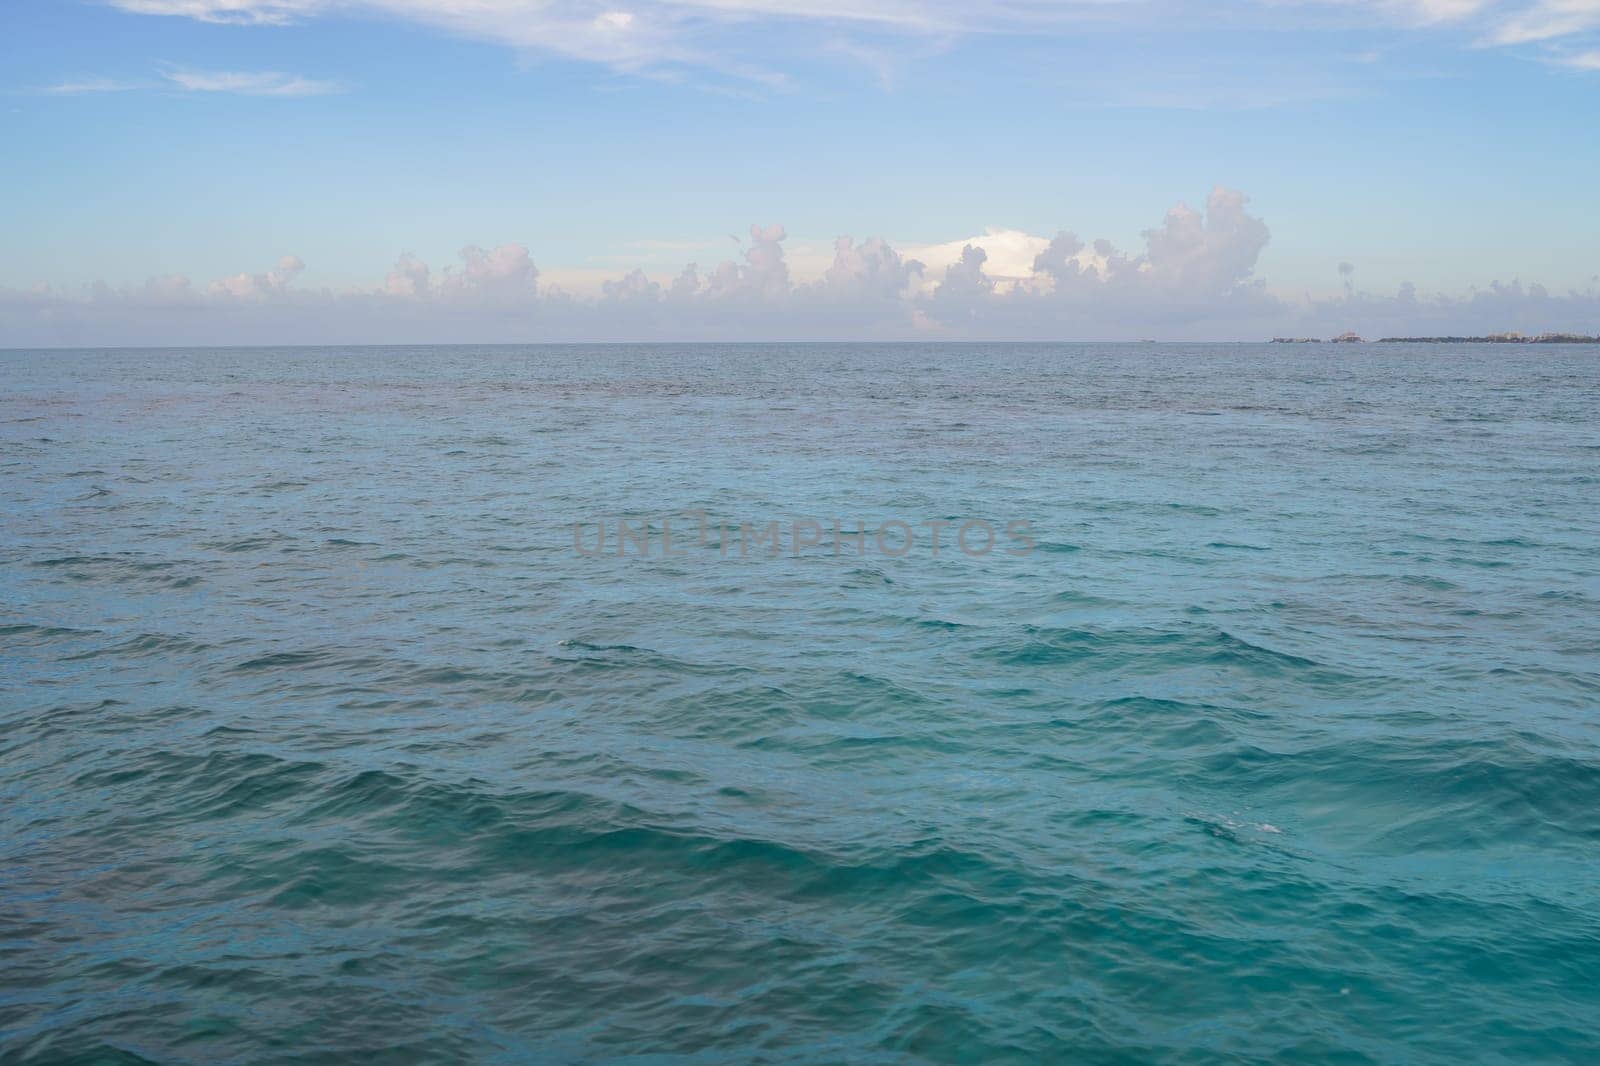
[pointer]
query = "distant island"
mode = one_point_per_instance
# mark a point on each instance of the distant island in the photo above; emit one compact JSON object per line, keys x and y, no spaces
{"x":1493,"y":338}
{"x":1343,"y":338}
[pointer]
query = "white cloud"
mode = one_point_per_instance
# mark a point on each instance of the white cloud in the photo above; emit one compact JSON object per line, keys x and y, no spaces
{"x":1429,"y":12}
{"x":87,"y":86}
{"x":265,"y":286}
{"x":502,"y":276}
{"x":1008,"y":253}
{"x":1547,"y":20}
{"x":1197,"y":268}
{"x":522,"y":22}
{"x":651,"y":33}
{"x":1498,"y":307}
{"x":505,"y":275}
{"x":867,"y":272}
{"x":239,"y":83}
{"x":409,"y":278}
{"x":763,"y":275}
{"x":249,"y":83}
{"x":262,"y":12}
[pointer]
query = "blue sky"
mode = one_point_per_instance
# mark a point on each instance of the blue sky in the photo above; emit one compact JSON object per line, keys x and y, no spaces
{"x":1443,"y":143}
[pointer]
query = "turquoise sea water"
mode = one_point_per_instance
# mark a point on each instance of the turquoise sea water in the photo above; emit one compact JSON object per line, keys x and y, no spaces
{"x":319,"y":740}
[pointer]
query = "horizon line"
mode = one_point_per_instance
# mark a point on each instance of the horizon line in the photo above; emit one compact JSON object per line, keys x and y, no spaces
{"x":1269,"y":342}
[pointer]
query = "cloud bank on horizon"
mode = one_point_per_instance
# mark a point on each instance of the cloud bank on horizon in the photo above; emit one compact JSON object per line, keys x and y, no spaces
{"x":1195,"y":278}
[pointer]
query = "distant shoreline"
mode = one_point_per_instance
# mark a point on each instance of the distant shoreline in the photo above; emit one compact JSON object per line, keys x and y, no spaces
{"x":1497,"y":338}
{"x":1493,"y":338}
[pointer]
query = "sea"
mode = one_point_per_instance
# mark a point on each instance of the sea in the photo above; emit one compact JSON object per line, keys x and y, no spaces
{"x":824,"y":703}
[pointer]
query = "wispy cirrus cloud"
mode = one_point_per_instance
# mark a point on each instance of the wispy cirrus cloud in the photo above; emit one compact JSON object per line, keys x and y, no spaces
{"x":250,"y":83}
{"x":238,"y":83}
{"x":87,"y":86}
{"x":1547,"y":20}
{"x":1581,"y":60}
{"x":259,"y":12}
{"x":645,"y":34}
{"x":1430,"y":12}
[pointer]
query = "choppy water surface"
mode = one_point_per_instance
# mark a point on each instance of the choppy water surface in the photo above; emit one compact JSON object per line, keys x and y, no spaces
{"x":318,"y":739}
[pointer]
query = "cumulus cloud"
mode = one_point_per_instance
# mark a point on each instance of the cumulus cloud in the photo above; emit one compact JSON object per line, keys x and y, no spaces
{"x":503,"y":275}
{"x":1197,"y":267}
{"x":965,"y":293}
{"x":1009,"y":254}
{"x":1206,"y":256}
{"x":1194,"y":277}
{"x":633,"y":288}
{"x":869,"y":272}
{"x":265,"y":286}
{"x":1496,"y":308}
{"x":764,"y":274}
{"x":409,"y":278}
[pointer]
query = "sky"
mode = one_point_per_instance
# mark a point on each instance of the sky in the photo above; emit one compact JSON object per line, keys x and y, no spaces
{"x":346,"y":171}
